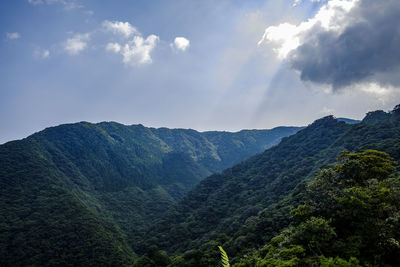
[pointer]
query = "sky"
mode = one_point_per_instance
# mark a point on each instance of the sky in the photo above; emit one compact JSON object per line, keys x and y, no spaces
{"x":206,"y":65}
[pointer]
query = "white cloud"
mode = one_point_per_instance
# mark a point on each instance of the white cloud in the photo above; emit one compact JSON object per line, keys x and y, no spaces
{"x":124,"y":28}
{"x":77,"y":43}
{"x":138,"y":50}
{"x":35,"y":2}
{"x":39,"y":53}
{"x":181,"y":43}
{"x":134,"y":51}
{"x":68,"y":4}
{"x":13,"y":35}
{"x":297,"y":2}
{"x":287,"y":37}
{"x":115,"y":47}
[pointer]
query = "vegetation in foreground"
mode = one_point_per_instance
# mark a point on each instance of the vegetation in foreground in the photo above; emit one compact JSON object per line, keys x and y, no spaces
{"x":349,"y":216}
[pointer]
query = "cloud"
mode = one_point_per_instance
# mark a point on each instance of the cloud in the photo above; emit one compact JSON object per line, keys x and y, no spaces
{"x":137,"y":51}
{"x":181,"y":43}
{"x":13,"y":35}
{"x":35,"y":2}
{"x":287,"y":37}
{"x":42,"y":54}
{"x":115,"y":47}
{"x":68,"y":4}
{"x":77,"y":43}
{"x":297,"y":2}
{"x":124,"y":28}
{"x":345,"y":43}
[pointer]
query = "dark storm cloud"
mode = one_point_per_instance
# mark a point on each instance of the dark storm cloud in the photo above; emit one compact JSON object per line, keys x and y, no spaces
{"x":367,"y":50}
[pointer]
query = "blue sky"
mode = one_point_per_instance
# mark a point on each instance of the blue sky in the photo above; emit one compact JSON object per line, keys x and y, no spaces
{"x":66,"y":61}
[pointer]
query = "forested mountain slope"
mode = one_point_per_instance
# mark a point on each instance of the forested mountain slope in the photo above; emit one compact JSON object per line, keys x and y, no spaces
{"x":85,"y":193}
{"x":251,"y":201}
{"x":348,"y":215}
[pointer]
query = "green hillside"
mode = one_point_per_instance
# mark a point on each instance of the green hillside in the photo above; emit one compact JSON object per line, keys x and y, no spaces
{"x":348,"y":216}
{"x":246,"y":205}
{"x":84,"y":194}
{"x":115,"y":195}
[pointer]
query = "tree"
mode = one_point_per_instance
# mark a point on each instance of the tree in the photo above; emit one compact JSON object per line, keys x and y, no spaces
{"x":350,"y":214}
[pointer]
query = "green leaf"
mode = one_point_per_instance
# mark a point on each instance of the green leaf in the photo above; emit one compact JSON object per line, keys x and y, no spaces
{"x":224,"y":257}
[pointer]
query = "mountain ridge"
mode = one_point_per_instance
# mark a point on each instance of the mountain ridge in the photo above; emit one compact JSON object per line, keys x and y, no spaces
{"x":251,"y":201}
{"x":118,"y":179}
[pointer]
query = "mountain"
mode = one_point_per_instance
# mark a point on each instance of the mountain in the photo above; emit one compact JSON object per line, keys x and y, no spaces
{"x":246,"y":205}
{"x":105,"y":194}
{"x":84,"y":194}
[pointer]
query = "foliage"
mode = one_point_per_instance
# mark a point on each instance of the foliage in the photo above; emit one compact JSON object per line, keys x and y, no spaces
{"x":252,"y":201}
{"x":224,"y":257}
{"x":84,"y":194}
{"x":43,"y":223}
{"x":223,"y":202}
{"x":153,"y":258}
{"x":358,"y":219}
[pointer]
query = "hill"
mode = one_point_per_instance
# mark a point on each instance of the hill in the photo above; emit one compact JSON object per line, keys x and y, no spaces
{"x":243,"y":207}
{"x":347,"y":216}
{"x":84,"y":194}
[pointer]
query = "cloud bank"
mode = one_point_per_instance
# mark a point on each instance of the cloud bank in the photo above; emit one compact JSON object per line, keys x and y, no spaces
{"x":346,"y":43}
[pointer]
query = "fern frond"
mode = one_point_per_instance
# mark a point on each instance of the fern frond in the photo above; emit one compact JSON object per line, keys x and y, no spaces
{"x":224,"y":257}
